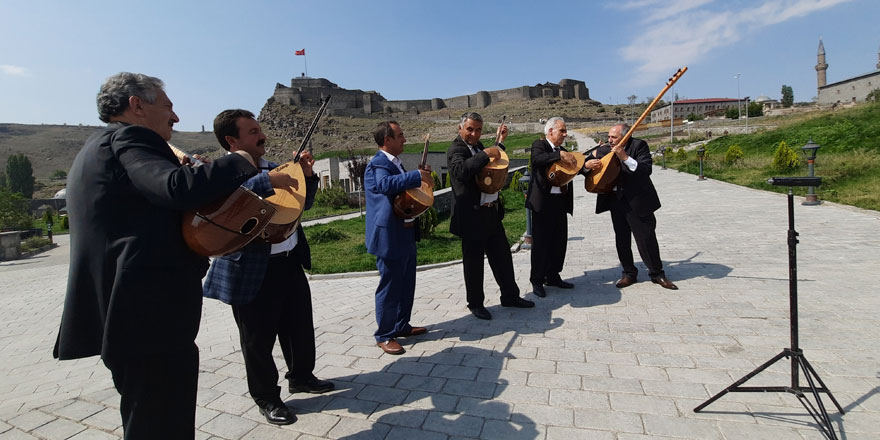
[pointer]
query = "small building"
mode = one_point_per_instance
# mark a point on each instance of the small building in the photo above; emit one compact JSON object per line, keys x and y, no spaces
{"x":702,"y":107}
{"x":767,"y":103}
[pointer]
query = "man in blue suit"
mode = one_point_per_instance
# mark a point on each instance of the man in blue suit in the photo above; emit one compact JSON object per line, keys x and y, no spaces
{"x":392,"y":239}
{"x":265,"y":283}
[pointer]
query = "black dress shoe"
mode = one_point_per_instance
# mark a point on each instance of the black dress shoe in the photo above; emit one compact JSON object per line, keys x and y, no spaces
{"x":665,"y":283}
{"x":312,"y":385}
{"x":517,"y":302}
{"x":538,"y":289}
{"x":625,"y":281}
{"x":277,"y":414}
{"x":557,"y":282}
{"x":481,"y":312}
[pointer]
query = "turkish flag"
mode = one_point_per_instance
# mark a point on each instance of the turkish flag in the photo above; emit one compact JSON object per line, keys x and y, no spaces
{"x":301,"y":52}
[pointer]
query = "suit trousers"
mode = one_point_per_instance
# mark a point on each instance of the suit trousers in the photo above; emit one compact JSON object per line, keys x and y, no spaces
{"x":493,"y":245}
{"x":628,"y":225}
{"x":394,"y":296}
{"x":549,"y":239}
{"x":282,"y":308}
{"x":158,"y":394}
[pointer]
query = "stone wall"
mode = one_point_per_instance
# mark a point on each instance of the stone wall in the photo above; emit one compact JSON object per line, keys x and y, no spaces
{"x":849,"y":90}
{"x":309,"y":92}
{"x":10,"y":245}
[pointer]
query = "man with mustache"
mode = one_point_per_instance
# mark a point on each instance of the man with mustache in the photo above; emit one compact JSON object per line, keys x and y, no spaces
{"x":134,"y":293}
{"x":265,"y":283}
{"x":476,"y":217}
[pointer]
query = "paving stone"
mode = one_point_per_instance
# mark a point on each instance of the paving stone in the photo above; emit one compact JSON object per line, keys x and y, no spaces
{"x":345,"y":407}
{"x":359,"y":429}
{"x":30,"y":420}
{"x":497,"y":429}
{"x":560,"y":433}
{"x":402,"y":433}
{"x":454,"y":424}
{"x":382,"y":394}
{"x":642,"y":404}
{"x":678,"y":427}
{"x":469,"y":388}
{"x":228,"y":426}
{"x":58,"y":429}
{"x":271,"y":432}
{"x":93,"y":434}
{"x":432,"y":401}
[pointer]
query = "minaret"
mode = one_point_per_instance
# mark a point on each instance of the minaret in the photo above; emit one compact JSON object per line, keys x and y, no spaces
{"x":821,"y":67}
{"x":878,"y":58}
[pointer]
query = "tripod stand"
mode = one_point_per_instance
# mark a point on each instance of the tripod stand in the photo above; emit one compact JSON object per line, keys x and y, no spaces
{"x":799,"y":363}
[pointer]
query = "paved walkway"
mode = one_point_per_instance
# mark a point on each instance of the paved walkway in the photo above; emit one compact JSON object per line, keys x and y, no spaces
{"x":594,"y":362}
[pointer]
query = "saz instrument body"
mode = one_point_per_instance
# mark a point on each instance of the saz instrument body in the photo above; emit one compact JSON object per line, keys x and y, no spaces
{"x":415,"y":201}
{"x":559,"y":173}
{"x":492,"y":177}
{"x":226,"y":225}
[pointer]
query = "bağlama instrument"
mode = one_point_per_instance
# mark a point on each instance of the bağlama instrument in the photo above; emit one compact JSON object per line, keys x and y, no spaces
{"x":493,"y":176}
{"x":604,"y":179}
{"x":290,"y":202}
{"x":415,"y":201}
{"x":226,"y":225}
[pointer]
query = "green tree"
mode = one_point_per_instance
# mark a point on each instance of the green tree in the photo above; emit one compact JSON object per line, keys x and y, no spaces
{"x":695,"y":117}
{"x":14,"y":211}
{"x":2,"y":179}
{"x":20,"y":175}
{"x":785,"y":159}
{"x":787,"y":96}
{"x":873,"y":96}
{"x":732,"y":113}
{"x":437,"y":183}
{"x":756,"y":109}
{"x":59,"y":174}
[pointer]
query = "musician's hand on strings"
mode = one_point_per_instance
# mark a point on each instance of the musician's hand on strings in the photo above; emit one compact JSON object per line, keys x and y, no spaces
{"x":493,"y":152}
{"x":619,"y":151}
{"x":567,"y":157}
{"x":307,"y":161}
{"x":426,"y":176}
{"x":282,"y":180}
{"x":592,"y":164}
{"x":501,"y":133}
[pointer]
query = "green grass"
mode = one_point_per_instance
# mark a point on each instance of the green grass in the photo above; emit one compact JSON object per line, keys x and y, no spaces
{"x":339,"y":246}
{"x":848,"y":162}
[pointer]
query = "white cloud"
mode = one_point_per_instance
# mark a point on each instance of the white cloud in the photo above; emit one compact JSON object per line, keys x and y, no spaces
{"x":686,"y":32}
{"x":13,"y":70}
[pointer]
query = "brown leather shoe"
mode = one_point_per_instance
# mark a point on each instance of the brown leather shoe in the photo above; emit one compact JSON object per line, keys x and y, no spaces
{"x":625,"y":281}
{"x":413,"y":331}
{"x":665,"y":283}
{"x":391,"y":347}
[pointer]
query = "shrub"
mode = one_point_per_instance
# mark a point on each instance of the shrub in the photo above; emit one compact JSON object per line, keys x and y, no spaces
{"x":734,"y":154}
{"x":732,"y":113}
{"x":448,"y":183}
{"x":695,"y":117}
{"x":47,"y":217}
{"x":14,"y":211}
{"x":514,"y":181}
{"x":428,"y":221}
{"x":785,"y":159}
{"x":873,"y":96}
{"x":437,"y":183}
{"x":59,"y":174}
{"x":681,"y":155}
{"x":334,"y":196}
{"x":65,"y":222}
{"x":34,"y":243}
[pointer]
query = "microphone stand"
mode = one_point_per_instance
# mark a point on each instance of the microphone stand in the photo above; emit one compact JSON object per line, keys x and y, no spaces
{"x":799,"y":362}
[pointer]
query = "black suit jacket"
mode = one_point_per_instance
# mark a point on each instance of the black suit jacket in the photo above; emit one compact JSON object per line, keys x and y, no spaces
{"x":634,"y":187}
{"x":134,"y":286}
{"x":539,"y":188}
{"x":463,"y":169}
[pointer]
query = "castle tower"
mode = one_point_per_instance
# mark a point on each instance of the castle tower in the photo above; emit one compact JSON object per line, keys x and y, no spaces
{"x":821,"y":66}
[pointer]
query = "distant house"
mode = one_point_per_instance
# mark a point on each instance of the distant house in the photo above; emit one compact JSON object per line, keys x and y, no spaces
{"x":703,"y":107}
{"x":767,"y":103}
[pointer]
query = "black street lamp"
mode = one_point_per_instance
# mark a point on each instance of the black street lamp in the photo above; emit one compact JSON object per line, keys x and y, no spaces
{"x":527,"y":237}
{"x":810,"y":150}
{"x":701,"y":152}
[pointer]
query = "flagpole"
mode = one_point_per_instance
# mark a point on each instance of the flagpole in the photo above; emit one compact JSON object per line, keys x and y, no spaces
{"x":305,"y":60}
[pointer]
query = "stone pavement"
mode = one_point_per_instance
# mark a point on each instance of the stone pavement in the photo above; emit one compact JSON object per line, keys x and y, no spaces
{"x":594,"y":362}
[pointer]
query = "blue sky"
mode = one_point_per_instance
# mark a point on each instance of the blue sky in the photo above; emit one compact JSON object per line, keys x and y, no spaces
{"x":222,"y":54}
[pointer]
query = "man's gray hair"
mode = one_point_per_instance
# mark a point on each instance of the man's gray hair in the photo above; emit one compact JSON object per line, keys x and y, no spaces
{"x":624,"y":129}
{"x":551,"y":123}
{"x":114,"y":93}
{"x":470,"y":115}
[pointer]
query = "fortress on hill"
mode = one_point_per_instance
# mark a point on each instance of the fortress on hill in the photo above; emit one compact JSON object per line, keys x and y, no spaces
{"x":307,"y":92}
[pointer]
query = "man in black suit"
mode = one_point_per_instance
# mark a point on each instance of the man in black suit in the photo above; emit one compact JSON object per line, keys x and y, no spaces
{"x":134,"y":292}
{"x":549,"y":205}
{"x":476,"y":217}
{"x":632,"y":205}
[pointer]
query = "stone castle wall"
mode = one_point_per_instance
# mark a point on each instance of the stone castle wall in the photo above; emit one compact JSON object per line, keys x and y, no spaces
{"x":308,"y":92}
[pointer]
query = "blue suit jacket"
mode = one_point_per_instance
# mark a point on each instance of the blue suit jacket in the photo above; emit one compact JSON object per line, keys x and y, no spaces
{"x":386,"y":237}
{"x":236,"y":278}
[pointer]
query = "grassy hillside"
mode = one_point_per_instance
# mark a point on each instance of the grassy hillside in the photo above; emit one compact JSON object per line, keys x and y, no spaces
{"x":848,"y":161}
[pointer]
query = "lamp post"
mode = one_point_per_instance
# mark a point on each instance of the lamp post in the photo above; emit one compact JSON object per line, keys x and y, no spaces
{"x":701,"y":152}
{"x":738,"y":106}
{"x":810,"y":150}
{"x":527,"y":237}
{"x":663,"y":154}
